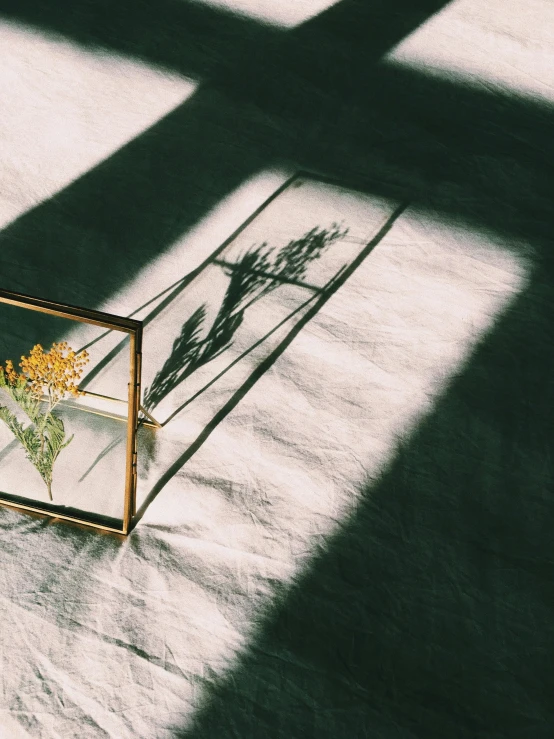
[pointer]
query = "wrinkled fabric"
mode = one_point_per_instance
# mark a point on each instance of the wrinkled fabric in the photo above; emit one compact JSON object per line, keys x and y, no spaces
{"x":319,"y":552}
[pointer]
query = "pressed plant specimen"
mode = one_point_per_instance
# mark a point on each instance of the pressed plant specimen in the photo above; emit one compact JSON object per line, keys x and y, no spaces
{"x":45,"y":379}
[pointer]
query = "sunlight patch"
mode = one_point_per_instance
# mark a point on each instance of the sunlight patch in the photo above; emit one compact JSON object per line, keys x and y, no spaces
{"x":282,"y":472}
{"x":284,"y":14}
{"x":65,"y":109}
{"x":500,"y":46}
{"x":358,"y":377}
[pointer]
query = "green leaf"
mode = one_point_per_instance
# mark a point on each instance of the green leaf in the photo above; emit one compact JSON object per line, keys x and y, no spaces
{"x":55,"y":436}
{"x":44,"y":439}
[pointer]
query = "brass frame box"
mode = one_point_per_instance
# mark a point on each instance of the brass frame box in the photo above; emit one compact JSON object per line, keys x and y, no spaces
{"x":115,"y":323}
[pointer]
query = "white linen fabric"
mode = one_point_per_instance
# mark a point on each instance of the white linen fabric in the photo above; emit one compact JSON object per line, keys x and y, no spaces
{"x":344,"y":523}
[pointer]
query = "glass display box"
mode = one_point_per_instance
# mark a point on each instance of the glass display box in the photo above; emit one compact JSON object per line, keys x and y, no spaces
{"x":64,"y":451}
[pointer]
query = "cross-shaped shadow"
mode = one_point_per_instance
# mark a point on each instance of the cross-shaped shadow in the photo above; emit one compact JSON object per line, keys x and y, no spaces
{"x":396,"y":664}
{"x":316,"y":97}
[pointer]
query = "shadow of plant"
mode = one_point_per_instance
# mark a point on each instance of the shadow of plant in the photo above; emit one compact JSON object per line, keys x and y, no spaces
{"x":256,"y":274}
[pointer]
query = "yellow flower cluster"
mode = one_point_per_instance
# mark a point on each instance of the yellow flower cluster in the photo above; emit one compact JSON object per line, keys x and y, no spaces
{"x":53,"y":373}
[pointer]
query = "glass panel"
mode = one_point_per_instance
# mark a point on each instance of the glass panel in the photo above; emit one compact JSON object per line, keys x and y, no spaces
{"x":61,"y":452}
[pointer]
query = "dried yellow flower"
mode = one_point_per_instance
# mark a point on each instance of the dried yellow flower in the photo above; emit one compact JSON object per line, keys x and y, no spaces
{"x":52,"y":373}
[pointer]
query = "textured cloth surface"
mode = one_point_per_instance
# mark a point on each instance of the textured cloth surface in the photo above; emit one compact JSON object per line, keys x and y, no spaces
{"x":345,"y":522}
